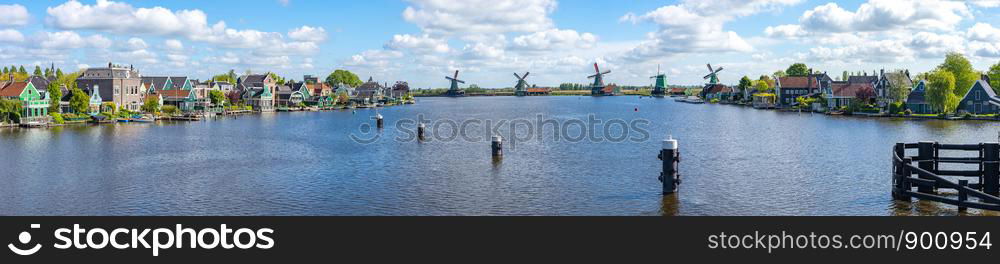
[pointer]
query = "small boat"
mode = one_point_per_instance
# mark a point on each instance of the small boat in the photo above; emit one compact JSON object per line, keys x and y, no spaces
{"x":693,"y":100}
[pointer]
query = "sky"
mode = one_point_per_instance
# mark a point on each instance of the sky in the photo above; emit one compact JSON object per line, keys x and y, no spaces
{"x":422,"y":41}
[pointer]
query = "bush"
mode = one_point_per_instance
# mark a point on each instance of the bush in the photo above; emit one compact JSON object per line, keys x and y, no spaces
{"x":908,"y":112}
{"x":57,"y":118}
{"x":896,"y":107}
{"x":170,"y":110}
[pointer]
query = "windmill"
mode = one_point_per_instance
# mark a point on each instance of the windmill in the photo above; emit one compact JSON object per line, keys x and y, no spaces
{"x":598,"y":86}
{"x":712,"y":77}
{"x":521,"y":89}
{"x":454,"y":91}
{"x":660,"y":86}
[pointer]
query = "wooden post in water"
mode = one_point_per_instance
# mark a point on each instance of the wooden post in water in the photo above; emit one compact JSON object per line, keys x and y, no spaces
{"x":497,"y":146}
{"x":897,"y":172}
{"x":378,"y":121}
{"x":670,"y":157}
{"x":420,"y":131}
{"x":962,"y":195}
{"x":991,"y":168}
{"x":905,"y":173}
{"x":925,"y":157}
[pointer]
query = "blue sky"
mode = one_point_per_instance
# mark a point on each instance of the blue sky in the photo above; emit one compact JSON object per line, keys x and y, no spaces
{"x":421,"y":41}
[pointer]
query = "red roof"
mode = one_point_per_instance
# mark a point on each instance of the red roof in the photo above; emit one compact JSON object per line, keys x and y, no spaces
{"x":718,"y":88}
{"x":13,"y":89}
{"x":538,"y":90}
{"x":677,"y":90}
{"x":801,"y":82}
{"x":174,"y":93}
{"x":849,"y":89}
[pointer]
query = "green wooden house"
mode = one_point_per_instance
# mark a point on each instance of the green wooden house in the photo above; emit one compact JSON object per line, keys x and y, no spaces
{"x":35,"y":104}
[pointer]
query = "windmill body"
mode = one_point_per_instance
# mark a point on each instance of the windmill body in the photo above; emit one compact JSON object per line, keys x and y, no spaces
{"x":521,"y":88}
{"x":660,"y":85}
{"x":454,"y":91}
{"x":598,"y":87}
{"x":713,"y":79}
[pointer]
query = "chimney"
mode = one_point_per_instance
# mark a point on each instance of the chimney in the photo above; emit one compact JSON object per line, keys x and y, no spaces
{"x":986,"y":78}
{"x":907,"y":73}
{"x":882,"y":72}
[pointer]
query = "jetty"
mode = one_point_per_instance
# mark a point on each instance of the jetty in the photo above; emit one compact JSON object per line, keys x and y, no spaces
{"x":928,"y":176}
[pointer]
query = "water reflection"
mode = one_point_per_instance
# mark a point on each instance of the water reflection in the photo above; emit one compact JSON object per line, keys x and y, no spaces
{"x":737,"y":161}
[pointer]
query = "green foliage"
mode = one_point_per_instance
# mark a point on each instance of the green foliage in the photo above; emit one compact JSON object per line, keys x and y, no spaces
{"x":10,"y":110}
{"x":896,"y":107}
{"x":79,"y":101}
{"x":994,"y":74}
{"x":57,"y":118}
{"x":150,"y":105}
{"x":941,"y":91}
{"x":59,"y":73}
{"x":55,"y":94}
{"x":763,"y":85}
{"x":797,"y":69}
{"x":745,"y":84}
{"x":473,"y":88}
{"x":343,"y":77}
{"x":38,"y":71}
{"x":171,"y":110}
{"x":779,"y":74}
{"x":277,"y":79}
{"x":217,"y":97}
{"x":229,"y":77}
{"x":21,"y":70}
{"x":343,"y":98}
{"x":962,"y":70}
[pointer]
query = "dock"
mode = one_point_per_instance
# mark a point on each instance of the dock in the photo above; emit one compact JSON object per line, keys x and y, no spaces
{"x":982,"y":194}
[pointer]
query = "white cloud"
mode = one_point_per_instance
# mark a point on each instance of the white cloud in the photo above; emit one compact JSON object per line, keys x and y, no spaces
{"x":480,"y":16}
{"x":135,"y":44}
{"x":308,"y":34}
{"x":554,"y":39}
{"x":173,"y":45}
{"x":882,"y":15}
{"x":11,"y":35}
{"x":419,"y":44}
{"x":13,"y":15}
{"x":985,"y":3}
{"x":983,"y":32}
{"x":785,"y":31}
{"x":69,"y":40}
{"x":122,"y":18}
{"x":697,"y":26}
{"x":374,"y":58}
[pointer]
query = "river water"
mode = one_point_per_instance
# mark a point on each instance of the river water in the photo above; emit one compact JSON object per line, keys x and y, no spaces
{"x":735,"y":161}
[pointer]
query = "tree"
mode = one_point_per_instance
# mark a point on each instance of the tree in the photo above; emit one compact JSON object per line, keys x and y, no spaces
{"x":277,"y":79}
{"x":994,"y":74}
{"x":941,"y":91}
{"x":342,"y":98}
{"x":21,"y":70}
{"x":745,"y":83}
{"x":343,"y":77}
{"x":170,"y":110}
{"x":962,"y":70}
{"x":779,"y":74}
{"x":5,"y":70}
{"x":217,"y":97}
{"x":797,"y":69}
{"x":55,"y":94}
{"x":10,"y":110}
{"x":898,"y":92}
{"x":762,"y":86}
{"x":151,"y":105}
{"x":59,"y":73}
{"x":38,"y":71}
{"x":865,"y":95}
{"x":234,"y":97}
{"x":79,"y":101}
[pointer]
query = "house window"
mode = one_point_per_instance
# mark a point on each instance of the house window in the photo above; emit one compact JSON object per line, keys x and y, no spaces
{"x":977,"y":95}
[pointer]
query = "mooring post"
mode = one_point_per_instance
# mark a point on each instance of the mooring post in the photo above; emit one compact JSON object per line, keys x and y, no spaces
{"x":420,"y":131}
{"x":378,"y":121}
{"x":991,"y":168}
{"x":670,"y":157}
{"x":904,"y":173}
{"x":925,"y":157}
{"x":497,"y":146}
{"x":899,"y":150}
{"x":962,"y":195}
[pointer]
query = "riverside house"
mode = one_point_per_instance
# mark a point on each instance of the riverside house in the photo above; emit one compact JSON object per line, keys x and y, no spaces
{"x":716,"y":91}
{"x":119,"y":85}
{"x":889,"y":81}
{"x":916,"y":102}
{"x":842,"y":94}
{"x":35,"y":106}
{"x":789,"y":88}
{"x":980,"y":99}
{"x":257,"y":90}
